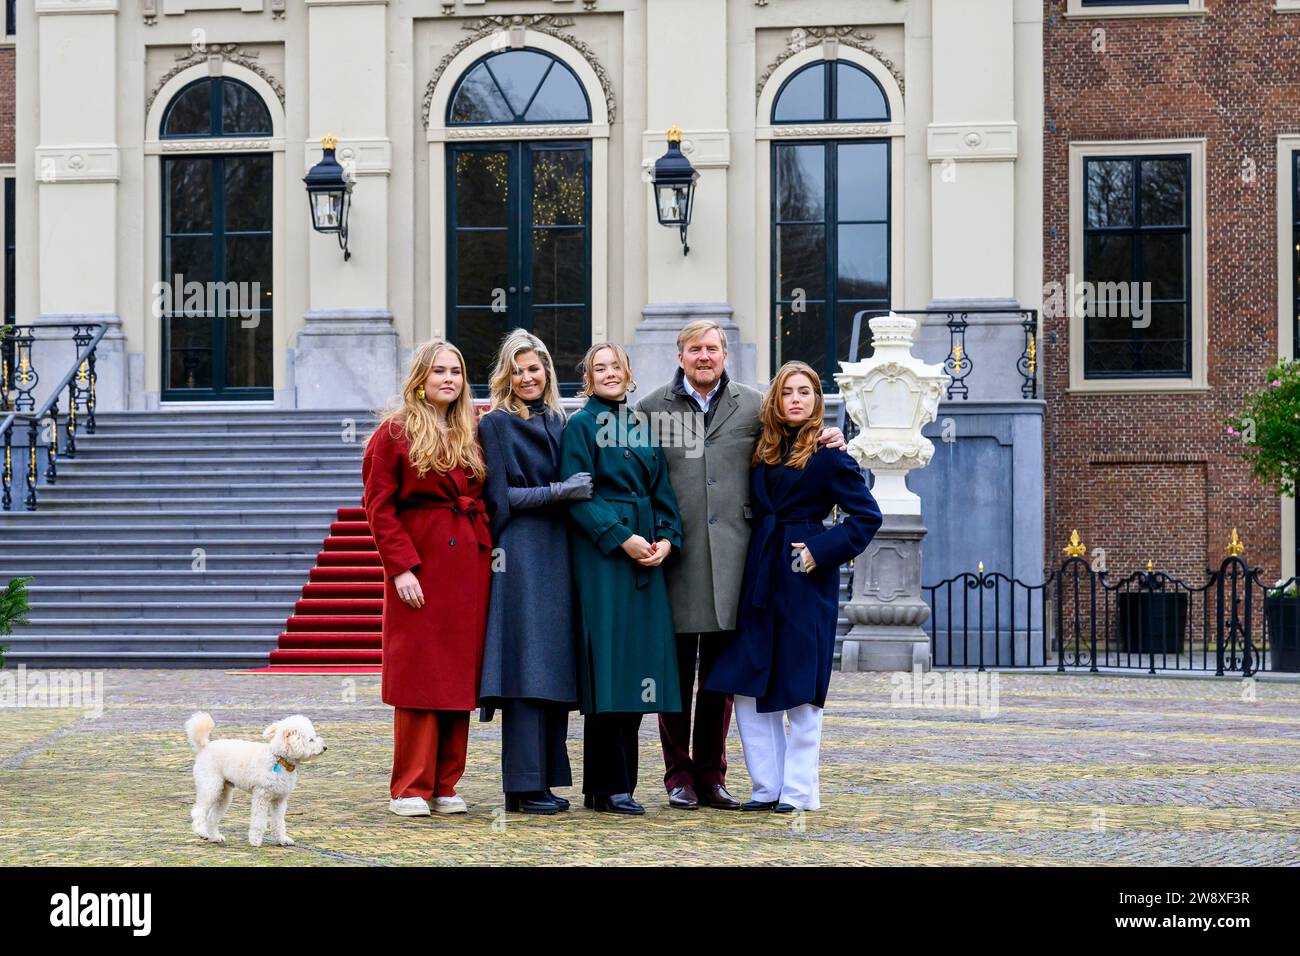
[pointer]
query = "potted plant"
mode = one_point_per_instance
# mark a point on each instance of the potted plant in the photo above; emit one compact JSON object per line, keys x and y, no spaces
{"x":1282,"y":612}
{"x":13,"y":609}
{"x":1269,"y":431}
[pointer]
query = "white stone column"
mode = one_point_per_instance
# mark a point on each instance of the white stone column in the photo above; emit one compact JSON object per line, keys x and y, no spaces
{"x":346,"y":353}
{"x":686,"y":66}
{"x":77,"y":170}
{"x":973,"y":143}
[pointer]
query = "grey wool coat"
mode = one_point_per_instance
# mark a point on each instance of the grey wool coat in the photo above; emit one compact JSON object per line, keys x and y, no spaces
{"x":530,"y":650}
{"x":709,"y":471}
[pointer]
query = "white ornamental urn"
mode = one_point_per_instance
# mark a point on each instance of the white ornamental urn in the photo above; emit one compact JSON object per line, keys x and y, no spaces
{"x":890,"y":396}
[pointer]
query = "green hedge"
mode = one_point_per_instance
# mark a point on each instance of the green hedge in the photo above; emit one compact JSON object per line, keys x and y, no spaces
{"x":13,"y":609}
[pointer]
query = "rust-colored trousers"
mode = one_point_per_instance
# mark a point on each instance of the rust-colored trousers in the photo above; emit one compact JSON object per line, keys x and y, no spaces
{"x":429,"y":749}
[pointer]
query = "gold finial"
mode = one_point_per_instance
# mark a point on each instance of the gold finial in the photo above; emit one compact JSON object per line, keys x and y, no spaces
{"x":1033,"y":354}
{"x":1150,"y":568}
{"x":981,"y":567}
{"x":328,"y":141}
{"x":1075,"y":548}
{"x":674,"y":134}
{"x":956,"y":357}
{"x":1235,"y":546}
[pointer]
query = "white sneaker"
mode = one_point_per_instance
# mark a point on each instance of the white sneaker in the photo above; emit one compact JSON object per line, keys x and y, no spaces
{"x":409,"y":807}
{"x":450,"y":805}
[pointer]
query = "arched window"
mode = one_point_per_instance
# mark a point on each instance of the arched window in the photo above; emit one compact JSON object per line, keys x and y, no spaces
{"x":216,"y":106}
{"x":519,"y":214}
{"x":216,"y":231}
{"x":831,"y":92}
{"x":830,"y":216}
{"x":518,"y":86}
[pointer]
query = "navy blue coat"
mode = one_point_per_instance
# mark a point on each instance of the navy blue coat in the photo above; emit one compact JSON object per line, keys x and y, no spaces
{"x":531,"y":646}
{"x":785,"y":641}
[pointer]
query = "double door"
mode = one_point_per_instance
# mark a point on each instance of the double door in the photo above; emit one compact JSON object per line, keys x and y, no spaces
{"x":519,"y":251}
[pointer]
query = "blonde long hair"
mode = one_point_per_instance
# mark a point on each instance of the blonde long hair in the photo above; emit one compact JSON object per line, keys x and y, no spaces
{"x":773,"y":441}
{"x":436,"y":442}
{"x":500,"y":393}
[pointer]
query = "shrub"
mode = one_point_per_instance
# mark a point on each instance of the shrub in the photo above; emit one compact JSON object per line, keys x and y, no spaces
{"x":1269,"y":429}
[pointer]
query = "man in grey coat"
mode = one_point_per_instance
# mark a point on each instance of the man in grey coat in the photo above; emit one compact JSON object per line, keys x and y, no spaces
{"x":708,"y":426}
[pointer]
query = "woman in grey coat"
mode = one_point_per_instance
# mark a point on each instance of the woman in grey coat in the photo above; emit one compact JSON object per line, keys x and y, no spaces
{"x":529,"y":657}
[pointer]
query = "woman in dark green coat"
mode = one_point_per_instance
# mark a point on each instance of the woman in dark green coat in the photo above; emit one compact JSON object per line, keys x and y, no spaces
{"x":627,"y":658}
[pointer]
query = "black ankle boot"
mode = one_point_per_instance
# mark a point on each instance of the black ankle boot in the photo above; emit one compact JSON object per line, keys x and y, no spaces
{"x":533,"y":802}
{"x":616,"y":803}
{"x":556,"y":798}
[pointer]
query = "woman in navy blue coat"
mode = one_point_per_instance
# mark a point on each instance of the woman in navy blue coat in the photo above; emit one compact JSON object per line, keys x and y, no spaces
{"x":779,"y":665}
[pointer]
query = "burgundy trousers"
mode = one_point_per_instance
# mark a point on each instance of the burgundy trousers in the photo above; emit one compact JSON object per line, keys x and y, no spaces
{"x":698,"y":760}
{"x":429,"y":749}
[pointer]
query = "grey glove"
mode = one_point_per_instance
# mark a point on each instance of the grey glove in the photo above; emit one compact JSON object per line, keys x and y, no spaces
{"x":574,"y":488}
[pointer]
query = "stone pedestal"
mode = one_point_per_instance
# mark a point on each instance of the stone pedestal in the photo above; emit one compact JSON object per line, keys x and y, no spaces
{"x":887,"y":611}
{"x":653,"y":351}
{"x":346,"y":358}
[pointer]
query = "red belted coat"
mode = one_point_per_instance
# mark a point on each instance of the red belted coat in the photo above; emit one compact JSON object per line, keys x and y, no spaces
{"x":435,"y":526}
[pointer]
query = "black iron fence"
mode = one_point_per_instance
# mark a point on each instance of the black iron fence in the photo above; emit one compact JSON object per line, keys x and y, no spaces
{"x":50,"y":428}
{"x":1084,"y":618}
{"x":959,"y":362}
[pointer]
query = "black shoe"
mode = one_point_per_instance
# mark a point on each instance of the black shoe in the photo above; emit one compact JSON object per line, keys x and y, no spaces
{"x":556,"y":798}
{"x":534,"y":802}
{"x":758,"y":805}
{"x":616,"y":803}
{"x":785,"y":808}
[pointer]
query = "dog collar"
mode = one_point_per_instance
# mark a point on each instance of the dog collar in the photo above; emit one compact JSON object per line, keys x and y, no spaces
{"x":281,"y":762}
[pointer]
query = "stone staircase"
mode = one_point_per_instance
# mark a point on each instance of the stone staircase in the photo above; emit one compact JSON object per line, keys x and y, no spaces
{"x":179,"y":538}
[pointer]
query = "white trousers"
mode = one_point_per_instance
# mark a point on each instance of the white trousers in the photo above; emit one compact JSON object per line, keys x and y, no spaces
{"x":782,"y":770}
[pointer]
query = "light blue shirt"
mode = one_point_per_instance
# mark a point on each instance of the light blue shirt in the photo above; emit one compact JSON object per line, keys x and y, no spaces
{"x":707,"y":400}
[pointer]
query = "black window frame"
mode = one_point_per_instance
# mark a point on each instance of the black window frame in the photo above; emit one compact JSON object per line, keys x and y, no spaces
{"x":1137,"y":229}
{"x":518,"y":119}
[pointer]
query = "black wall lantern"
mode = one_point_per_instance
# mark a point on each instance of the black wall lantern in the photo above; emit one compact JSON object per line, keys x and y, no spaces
{"x":674,"y":185}
{"x":329,"y":195}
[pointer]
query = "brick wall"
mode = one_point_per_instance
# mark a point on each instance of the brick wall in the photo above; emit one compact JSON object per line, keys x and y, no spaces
{"x":1154,"y":476}
{"x":7,"y":103}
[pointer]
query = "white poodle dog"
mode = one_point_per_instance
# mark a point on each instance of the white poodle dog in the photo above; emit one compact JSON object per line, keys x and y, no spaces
{"x":268,"y":771}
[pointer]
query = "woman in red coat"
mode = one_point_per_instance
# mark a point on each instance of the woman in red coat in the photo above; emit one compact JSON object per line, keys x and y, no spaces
{"x":423,"y":472}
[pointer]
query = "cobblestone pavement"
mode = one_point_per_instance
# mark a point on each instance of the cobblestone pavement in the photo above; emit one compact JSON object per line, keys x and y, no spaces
{"x":1071,"y":769}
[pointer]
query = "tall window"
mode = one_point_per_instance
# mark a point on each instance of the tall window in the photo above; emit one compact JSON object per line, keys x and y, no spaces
{"x":519,"y":214}
{"x":1137,"y":247}
{"x":830,"y":217}
{"x":216,"y":233}
{"x":1295,"y":256}
{"x":11,"y":312}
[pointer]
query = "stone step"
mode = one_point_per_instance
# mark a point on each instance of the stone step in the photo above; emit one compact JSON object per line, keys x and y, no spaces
{"x":218,"y":464}
{"x":106,"y":516}
{"x":93,"y":473}
{"x":160,"y":451}
{"x":141,"y":590}
{"x":44,"y":622}
{"x":176,"y":551}
{"x":193,"y":534}
{"x":175,"y":651}
{"x":120,"y":570}
{"x":199,"y":496}
{"x":244,"y":426}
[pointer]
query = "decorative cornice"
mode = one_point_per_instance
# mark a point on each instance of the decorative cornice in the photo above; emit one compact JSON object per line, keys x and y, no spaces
{"x":217,"y":144}
{"x":542,"y":23}
{"x":518,"y":132}
{"x":833,"y":129}
{"x":972,"y":141}
{"x":81,"y":163}
{"x":801,"y":38}
{"x":223,"y":51}
{"x":57,"y":7}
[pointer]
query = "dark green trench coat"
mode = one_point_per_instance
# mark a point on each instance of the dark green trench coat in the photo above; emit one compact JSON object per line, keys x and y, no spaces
{"x":627,"y":657}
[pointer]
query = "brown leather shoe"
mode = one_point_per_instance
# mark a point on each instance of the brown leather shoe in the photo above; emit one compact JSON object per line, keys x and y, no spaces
{"x":717,"y":797}
{"x":683,"y":798}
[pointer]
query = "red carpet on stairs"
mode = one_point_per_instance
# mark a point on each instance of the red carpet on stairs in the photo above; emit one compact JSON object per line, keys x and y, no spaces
{"x":335,"y":626}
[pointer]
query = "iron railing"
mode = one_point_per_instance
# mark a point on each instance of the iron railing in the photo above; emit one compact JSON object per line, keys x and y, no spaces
{"x":1078,"y":618}
{"x":958,"y":363}
{"x":19,"y":379}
